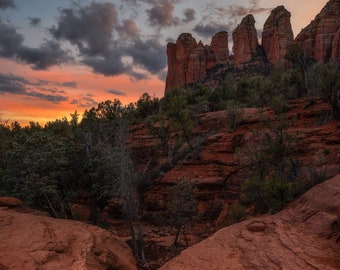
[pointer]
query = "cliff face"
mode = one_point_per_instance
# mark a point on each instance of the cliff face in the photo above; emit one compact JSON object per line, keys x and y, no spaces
{"x":277,"y":34}
{"x":318,"y":40}
{"x":245,"y":41}
{"x":335,"y":57}
{"x":188,"y":61}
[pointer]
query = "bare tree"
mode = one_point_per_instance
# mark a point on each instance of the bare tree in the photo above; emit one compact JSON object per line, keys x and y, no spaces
{"x":129,"y":191}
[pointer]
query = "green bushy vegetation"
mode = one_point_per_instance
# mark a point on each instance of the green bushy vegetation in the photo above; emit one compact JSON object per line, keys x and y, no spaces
{"x":274,"y":168}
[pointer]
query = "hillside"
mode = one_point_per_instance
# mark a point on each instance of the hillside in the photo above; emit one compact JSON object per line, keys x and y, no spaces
{"x":215,"y":167}
{"x":306,"y":231}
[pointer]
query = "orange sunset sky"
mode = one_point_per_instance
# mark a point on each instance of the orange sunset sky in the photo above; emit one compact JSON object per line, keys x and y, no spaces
{"x":57,"y":57}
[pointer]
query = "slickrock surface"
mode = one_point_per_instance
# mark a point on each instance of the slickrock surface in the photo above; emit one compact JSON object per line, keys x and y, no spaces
{"x":304,"y":236}
{"x":29,"y":242}
{"x":277,"y":34}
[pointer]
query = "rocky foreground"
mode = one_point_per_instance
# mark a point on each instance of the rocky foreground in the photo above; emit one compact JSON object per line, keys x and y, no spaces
{"x":30,"y":241}
{"x":306,"y":235}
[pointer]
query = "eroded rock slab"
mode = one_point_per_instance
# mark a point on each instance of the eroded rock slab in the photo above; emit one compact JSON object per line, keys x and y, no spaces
{"x":29,"y":241}
{"x":304,"y":236}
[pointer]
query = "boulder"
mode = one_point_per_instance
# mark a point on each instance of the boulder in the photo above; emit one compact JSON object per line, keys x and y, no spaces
{"x":10,"y":201}
{"x":277,"y":34}
{"x":29,"y":241}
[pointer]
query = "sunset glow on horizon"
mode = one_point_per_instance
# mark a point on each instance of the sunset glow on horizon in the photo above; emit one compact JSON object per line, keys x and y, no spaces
{"x":61,"y":57}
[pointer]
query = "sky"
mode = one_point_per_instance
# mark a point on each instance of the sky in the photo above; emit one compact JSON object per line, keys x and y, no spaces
{"x":62,"y":56}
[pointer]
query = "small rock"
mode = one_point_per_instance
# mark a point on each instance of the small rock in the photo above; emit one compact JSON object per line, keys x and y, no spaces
{"x":256,"y":226}
{"x":10,"y":202}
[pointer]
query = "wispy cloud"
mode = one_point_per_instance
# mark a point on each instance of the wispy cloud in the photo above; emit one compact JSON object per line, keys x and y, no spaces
{"x":84,"y":101}
{"x":12,"y":84}
{"x":116,"y":92}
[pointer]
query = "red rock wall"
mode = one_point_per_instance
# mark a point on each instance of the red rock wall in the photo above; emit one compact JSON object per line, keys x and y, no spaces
{"x":335,"y":57}
{"x":316,"y":40}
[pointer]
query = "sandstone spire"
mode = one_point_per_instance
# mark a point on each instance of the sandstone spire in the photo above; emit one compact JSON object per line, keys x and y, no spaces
{"x":178,"y":59}
{"x":277,"y":34}
{"x":245,"y":40}
{"x":219,"y":47}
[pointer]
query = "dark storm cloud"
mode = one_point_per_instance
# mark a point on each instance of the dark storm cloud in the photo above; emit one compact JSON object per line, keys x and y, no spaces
{"x":90,"y":28}
{"x":148,"y":54}
{"x":4,"y":4}
{"x":208,"y":30}
{"x":34,"y":21}
{"x":10,"y":40}
{"x":189,"y":15}
{"x":128,"y":30}
{"x":11,"y":46}
{"x":108,"y":66}
{"x":116,"y":92}
{"x":13,"y":84}
{"x":49,"y":54}
{"x":162,"y":14}
{"x":103,"y":41}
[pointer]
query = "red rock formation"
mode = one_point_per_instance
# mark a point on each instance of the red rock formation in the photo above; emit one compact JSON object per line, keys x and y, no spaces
{"x":277,"y":34}
{"x":37,"y":242}
{"x":197,"y":64}
{"x":188,"y":62}
{"x":245,"y":40}
{"x":304,"y":236}
{"x":317,"y":39}
{"x":219,"y":47}
{"x":178,"y":58}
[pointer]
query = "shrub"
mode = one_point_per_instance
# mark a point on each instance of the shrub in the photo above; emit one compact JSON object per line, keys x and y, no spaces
{"x":234,"y":115}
